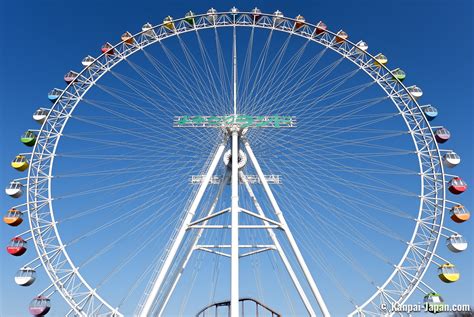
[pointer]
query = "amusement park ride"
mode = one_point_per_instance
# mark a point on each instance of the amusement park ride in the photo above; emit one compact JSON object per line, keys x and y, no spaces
{"x":234,"y":150}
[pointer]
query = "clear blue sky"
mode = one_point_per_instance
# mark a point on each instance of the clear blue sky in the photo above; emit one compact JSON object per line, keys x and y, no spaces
{"x":430,"y":39}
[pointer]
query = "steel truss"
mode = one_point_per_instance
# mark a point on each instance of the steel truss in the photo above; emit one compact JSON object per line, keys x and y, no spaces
{"x":82,"y":297}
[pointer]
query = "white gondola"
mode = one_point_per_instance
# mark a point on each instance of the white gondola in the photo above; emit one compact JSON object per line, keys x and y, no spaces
{"x":147,"y":29}
{"x":456,"y":243}
{"x":87,"y":61}
{"x":278,"y":17}
{"x":25,"y":276}
{"x":415,"y":91}
{"x":40,"y":115}
{"x":451,"y":159}
{"x":362,"y":46}
{"x":15,"y":189}
{"x":234,"y":10}
{"x":212,"y":15}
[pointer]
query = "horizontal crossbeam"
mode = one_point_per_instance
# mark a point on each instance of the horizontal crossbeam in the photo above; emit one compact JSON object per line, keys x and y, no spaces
{"x":252,"y":179}
{"x":243,"y":121}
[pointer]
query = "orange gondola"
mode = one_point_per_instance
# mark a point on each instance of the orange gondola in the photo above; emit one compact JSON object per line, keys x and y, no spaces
{"x":13,"y":217}
{"x":460,"y":214}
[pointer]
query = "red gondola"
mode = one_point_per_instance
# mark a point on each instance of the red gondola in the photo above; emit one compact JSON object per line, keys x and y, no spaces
{"x":320,"y":28}
{"x":40,"y":306}
{"x":17,"y":246}
{"x":457,"y":185}
{"x":70,"y":76}
{"x":442,"y":135}
{"x":257,"y":14}
{"x":107,"y":49}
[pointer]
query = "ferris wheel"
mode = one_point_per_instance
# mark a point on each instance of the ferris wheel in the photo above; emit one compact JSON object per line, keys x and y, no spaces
{"x":232,"y":157}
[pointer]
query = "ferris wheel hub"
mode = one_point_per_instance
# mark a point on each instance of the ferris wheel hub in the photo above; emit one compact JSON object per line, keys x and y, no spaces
{"x":242,"y":159}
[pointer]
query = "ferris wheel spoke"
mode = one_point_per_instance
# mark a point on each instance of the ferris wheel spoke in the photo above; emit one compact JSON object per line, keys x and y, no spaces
{"x":268,"y":88}
{"x":285,"y":93}
{"x":257,"y":72}
{"x":211,"y":71}
{"x":224,"y":75}
{"x":123,"y":217}
{"x":197,"y":95}
{"x":213,"y":97}
{"x":160,"y":83}
{"x":253,"y":73}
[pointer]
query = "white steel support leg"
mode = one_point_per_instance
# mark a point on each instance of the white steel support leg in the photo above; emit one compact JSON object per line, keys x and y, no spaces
{"x":148,"y":305}
{"x":291,"y":239}
{"x":234,"y":252}
{"x":193,"y":245}
{"x":278,"y":247}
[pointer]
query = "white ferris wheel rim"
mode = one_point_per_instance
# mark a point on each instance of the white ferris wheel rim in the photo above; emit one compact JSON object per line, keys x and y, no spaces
{"x":40,"y":174}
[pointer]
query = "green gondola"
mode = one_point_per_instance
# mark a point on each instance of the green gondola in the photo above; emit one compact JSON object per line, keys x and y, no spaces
{"x":433,"y":303}
{"x":28,"y":138}
{"x":398,"y":74}
{"x":189,"y":17}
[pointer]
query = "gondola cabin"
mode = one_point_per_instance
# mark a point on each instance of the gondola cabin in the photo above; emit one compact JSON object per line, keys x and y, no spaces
{"x":20,"y":163}
{"x":147,"y":30}
{"x":54,"y":94}
{"x":40,"y":306}
{"x":433,"y":302}
{"x":107,"y":49}
{"x":448,"y":273}
{"x":430,"y":112}
{"x":189,"y":17}
{"x":13,"y":217}
{"x":28,"y":138}
{"x":256,"y":14}
{"x":398,"y":74}
{"x":70,"y":76}
{"x":212,"y":15}
{"x":300,"y":20}
{"x":459,"y":214}
{"x":25,"y":276}
{"x":457,"y":186}
{"x":147,"y":27}
{"x":321,"y":27}
{"x":456,"y":243}
{"x":14,"y":189}
{"x":17,"y":246}
{"x":341,"y":37}
{"x":451,"y":159}
{"x":277,"y":17}
{"x":415,"y":91}
{"x":87,"y":61}
{"x":234,"y":10}
{"x":442,"y":135}
{"x":40,"y":115}
{"x":127,"y":38}
{"x":380,"y":60}
{"x":168,"y":23}
{"x":362,"y":46}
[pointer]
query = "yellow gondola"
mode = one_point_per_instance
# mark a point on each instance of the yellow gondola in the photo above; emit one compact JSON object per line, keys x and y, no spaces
{"x":20,"y":163}
{"x":168,"y":23}
{"x":448,"y":273}
{"x":380,"y":60}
